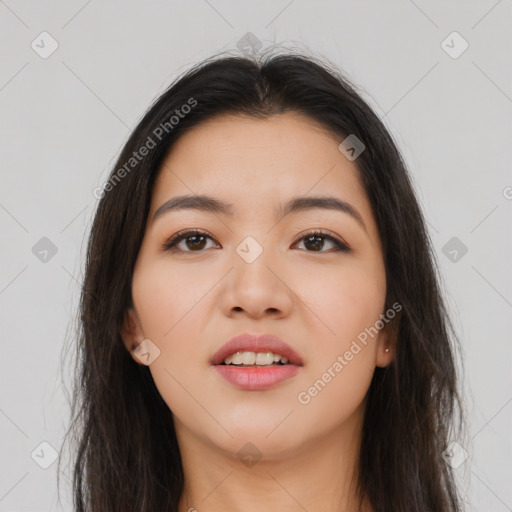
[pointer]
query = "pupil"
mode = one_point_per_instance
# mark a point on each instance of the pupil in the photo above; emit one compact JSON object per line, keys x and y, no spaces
{"x":315,"y":245}
{"x":194,"y":243}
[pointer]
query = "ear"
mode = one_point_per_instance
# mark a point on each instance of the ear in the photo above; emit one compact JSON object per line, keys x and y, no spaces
{"x":386,"y":344}
{"x":131,"y":333}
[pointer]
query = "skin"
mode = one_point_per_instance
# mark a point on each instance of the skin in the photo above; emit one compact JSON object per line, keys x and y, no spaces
{"x":318,"y":301}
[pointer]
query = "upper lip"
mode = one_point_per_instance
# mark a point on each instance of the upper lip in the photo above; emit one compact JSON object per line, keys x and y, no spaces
{"x":247,"y":342}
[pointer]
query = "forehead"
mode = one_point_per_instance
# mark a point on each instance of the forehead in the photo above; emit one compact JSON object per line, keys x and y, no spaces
{"x":254,"y":162}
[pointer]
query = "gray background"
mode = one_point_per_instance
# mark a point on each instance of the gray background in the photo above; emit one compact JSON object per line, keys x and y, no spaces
{"x":65,"y":117}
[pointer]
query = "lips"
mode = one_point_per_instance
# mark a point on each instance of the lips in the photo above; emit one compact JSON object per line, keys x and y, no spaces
{"x":256,"y":343}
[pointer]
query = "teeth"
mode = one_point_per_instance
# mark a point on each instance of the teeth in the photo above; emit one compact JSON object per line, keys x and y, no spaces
{"x":263,"y":358}
{"x":258,"y":358}
{"x":248,"y":357}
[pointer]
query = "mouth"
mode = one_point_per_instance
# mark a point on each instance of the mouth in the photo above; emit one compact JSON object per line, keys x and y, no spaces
{"x":256,"y":362}
{"x":249,"y":359}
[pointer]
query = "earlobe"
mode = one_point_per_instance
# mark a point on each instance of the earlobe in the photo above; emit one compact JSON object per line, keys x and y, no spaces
{"x":131,"y":332}
{"x":387,"y":357}
{"x":385,"y":346}
{"x":384,"y":357}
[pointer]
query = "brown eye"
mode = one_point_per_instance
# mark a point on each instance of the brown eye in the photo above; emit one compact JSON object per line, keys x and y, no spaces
{"x":194,"y":241}
{"x":315,"y":242}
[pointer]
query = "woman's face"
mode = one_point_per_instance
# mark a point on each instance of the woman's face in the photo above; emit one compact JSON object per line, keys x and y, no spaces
{"x":256,"y":271}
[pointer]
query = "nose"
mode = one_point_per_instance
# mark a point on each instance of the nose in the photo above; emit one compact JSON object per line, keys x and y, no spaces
{"x":257,"y":289}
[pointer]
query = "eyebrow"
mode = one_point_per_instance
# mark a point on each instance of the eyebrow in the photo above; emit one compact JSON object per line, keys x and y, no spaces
{"x":296,"y":204}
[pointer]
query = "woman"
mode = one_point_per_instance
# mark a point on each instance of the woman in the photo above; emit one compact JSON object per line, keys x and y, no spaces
{"x":261,"y":322}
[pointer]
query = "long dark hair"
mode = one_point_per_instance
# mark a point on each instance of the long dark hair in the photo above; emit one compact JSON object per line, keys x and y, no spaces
{"x":127,"y":456}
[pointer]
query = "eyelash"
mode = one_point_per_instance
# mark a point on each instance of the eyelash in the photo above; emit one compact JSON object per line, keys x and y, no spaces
{"x":170,"y":245}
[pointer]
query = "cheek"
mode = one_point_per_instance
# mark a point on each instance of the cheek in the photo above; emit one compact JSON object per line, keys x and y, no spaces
{"x":166,"y":297}
{"x":345,"y":304}
{"x":173,"y":306}
{"x":344,"y":300}
{"x":334,"y":396}
{"x":341,"y":362}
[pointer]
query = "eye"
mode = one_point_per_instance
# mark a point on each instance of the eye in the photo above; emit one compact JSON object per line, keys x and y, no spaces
{"x":313,"y":239}
{"x":197,"y":241}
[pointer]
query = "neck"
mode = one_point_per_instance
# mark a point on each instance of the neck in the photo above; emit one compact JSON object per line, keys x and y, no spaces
{"x":318,"y":475}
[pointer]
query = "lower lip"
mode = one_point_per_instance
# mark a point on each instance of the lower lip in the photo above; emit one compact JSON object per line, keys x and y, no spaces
{"x":256,"y":378}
